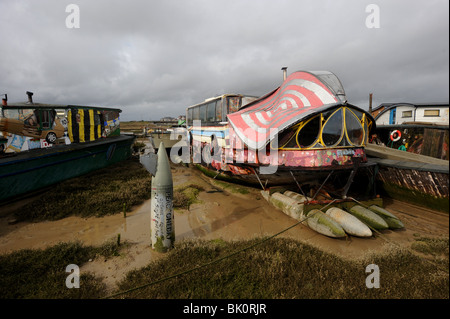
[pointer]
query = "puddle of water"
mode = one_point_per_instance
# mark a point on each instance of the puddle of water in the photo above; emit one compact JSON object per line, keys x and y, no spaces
{"x":135,"y":228}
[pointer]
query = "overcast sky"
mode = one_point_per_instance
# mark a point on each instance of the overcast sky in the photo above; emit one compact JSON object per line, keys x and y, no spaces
{"x":154,"y":58}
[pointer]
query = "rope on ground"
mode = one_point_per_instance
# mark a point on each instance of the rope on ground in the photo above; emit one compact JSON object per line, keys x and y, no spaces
{"x":205,"y":265}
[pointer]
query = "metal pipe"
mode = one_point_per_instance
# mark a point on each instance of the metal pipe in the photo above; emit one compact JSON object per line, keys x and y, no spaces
{"x":30,"y":97}
{"x":284,"y":72}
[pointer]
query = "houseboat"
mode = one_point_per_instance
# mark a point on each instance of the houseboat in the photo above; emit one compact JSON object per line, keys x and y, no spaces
{"x":43,"y":144}
{"x":303,"y":132}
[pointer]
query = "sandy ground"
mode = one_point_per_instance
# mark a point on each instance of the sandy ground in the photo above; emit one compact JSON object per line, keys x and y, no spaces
{"x":219,"y":214}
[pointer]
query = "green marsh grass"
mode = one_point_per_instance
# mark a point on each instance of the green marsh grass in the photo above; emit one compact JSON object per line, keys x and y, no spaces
{"x":100,"y":193}
{"x":285,"y":269}
{"x":279,"y":268}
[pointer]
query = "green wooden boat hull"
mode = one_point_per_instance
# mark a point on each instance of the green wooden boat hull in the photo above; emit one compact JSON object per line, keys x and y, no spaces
{"x":32,"y":170}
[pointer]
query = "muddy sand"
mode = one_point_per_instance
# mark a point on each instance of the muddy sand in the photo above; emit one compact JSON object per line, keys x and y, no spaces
{"x":219,"y":213}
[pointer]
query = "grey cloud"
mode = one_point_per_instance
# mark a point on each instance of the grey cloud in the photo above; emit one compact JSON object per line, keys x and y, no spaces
{"x":154,"y":58}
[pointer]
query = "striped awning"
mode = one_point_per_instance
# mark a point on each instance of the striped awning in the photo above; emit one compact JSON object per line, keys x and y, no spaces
{"x":301,"y":94}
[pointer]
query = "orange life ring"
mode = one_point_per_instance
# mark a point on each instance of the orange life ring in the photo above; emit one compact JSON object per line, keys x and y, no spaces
{"x":396,"y":135}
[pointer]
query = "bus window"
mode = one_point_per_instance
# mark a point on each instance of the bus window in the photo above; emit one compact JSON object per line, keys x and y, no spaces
{"x":233,"y":103}
{"x":196,"y":113}
{"x":190,"y":116}
{"x":211,"y":114}
{"x":202,"y":113}
{"x":219,"y":111}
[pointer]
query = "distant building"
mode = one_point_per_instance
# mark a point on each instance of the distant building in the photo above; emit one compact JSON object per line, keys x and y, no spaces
{"x":409,"y":113}
{"x":168,"y":119}
{"x":421,"y":128}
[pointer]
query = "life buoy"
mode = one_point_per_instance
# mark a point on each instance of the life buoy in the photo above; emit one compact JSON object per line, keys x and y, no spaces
{"x":396,"y":135}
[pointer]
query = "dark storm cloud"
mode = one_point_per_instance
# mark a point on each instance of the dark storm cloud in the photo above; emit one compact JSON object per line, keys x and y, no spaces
{"x":154,"y":58}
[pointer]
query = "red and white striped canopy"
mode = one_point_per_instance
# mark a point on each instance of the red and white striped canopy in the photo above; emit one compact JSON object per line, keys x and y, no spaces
{"x":301,"y":94}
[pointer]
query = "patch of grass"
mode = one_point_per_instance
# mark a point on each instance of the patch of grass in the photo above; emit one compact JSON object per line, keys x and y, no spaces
{"x":99,"y":193}
{"x":138,"y":146}
{"x":436,"y":248}
{"x":284,"y":268}
{"x":185,"y":196}
{"x":41,"y":273}
{"x":280,"y":268}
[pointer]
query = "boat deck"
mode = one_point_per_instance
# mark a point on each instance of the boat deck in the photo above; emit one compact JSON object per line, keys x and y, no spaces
{"x":10,"y":158}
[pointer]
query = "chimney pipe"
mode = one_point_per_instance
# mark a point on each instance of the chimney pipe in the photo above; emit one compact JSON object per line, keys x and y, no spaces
{"x":30,"y":97}
{"x":5,"y":100}
{"x":284,"y":73}
{"x":370,"y":103}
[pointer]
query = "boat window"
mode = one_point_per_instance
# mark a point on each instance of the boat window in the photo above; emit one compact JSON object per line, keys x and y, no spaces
{"x":287,"y":138}
{"x":11,"y":113}
{"x":211,"y":114}
{"x":357,"y":113}
{"x":47,"y":118}
{"x":31,"y":120}
{"x":97,"y":118}
{"x":355,"y":131}
{"x":233,"y":103}
{"x":308,"y":134}
{"x":406,"y":114}
{"x":332,"y":130}
{"x":431,"y":113}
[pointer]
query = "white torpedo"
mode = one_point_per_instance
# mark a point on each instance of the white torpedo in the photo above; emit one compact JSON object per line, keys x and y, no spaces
{"x":351,"y":224}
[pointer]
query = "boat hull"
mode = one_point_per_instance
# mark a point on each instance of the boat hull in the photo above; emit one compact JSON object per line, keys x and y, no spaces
{"x":420,"y":183}
{"x":32,"y":170}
